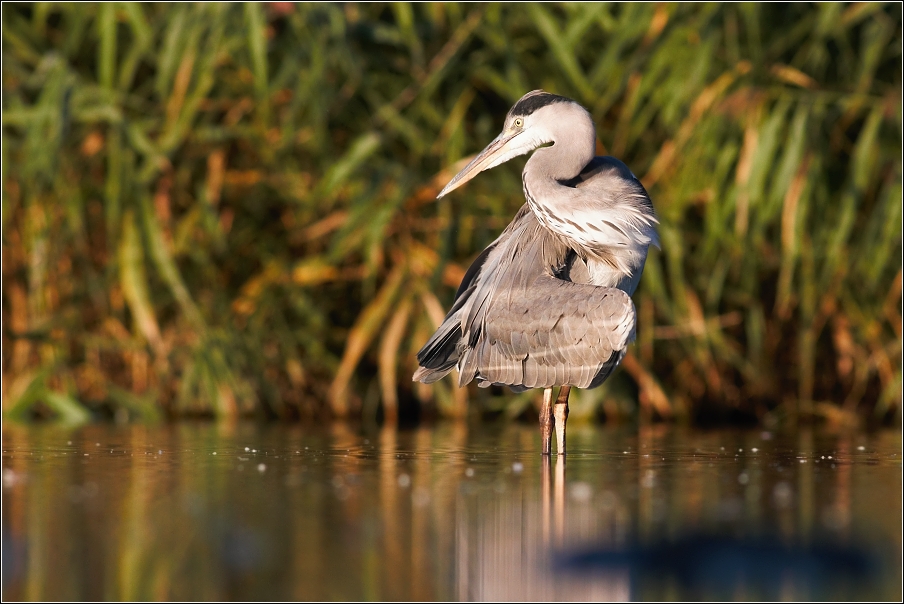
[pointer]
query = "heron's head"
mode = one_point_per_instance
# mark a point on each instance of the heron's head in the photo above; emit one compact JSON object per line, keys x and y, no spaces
{"x":538,"y":118}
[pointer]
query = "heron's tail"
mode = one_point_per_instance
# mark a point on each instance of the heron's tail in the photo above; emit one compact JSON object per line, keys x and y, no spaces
{"x":440,"y":354}
{"x":428,"y":376}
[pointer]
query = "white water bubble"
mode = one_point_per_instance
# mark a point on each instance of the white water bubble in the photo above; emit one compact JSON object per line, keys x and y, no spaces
{"x":782,"y":494}
{"x":420,"y":497}
{"x":581,"y":491}
{"x":10,"y":478}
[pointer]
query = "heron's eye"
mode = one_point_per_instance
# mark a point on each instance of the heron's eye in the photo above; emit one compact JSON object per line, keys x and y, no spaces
{"x":518,"y":122}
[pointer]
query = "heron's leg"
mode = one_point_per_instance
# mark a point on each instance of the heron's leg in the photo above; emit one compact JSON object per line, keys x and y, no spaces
{"x":546,"y":421}
{"x":561,"y":414}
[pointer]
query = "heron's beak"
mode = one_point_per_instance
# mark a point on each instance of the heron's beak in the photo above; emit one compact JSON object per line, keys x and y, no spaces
{"x":496,"y":152}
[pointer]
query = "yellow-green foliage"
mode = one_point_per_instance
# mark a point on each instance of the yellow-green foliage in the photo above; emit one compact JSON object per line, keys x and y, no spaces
{"x":226,"y":209}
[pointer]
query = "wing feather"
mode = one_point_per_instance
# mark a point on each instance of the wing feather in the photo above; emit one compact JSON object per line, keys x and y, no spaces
{"x":520,"y":321}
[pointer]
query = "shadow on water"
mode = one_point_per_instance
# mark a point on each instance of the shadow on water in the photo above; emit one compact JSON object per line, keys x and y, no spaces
{"x":222,"y":512}
{"x":714,"y":567}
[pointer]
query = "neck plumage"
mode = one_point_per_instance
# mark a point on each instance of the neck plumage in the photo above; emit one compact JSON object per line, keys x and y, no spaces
{"x":606,"y":221}
{"x":545,"y":192}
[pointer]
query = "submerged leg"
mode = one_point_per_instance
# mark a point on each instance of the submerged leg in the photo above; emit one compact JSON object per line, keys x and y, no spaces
{"x":546,"y":422}
{"x":561,"y":414}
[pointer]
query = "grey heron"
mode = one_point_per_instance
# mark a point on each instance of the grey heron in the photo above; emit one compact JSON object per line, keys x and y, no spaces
{"x":548,"y":303}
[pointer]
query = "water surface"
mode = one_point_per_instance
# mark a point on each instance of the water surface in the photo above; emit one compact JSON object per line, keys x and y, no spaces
{"x":265,"y":512}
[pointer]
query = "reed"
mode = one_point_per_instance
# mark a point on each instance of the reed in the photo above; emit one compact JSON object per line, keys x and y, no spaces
{"x":229,"y":210}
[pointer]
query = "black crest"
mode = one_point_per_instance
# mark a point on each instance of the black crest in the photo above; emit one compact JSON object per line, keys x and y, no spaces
{"x":532,"y":101}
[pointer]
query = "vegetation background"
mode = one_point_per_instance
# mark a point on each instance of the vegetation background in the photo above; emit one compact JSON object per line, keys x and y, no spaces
{"x":217,"y":209}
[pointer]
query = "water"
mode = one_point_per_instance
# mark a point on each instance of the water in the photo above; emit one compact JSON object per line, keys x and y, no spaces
{"x":250,"y":512}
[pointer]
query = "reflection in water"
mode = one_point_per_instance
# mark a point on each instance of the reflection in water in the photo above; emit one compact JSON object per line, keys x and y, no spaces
{"x":222,"y":512}
{"x":511,"y":548}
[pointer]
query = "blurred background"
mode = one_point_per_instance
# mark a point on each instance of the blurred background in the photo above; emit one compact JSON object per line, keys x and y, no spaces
{"x":228,"y":210}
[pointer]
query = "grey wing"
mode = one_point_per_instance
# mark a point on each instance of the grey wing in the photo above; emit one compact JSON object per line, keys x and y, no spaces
{"x":442,"y":351}
{"x":525,"y":316}
{"x":552,"y":333}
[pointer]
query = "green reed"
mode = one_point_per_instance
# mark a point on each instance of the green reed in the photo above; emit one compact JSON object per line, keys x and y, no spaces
{"x":229,"y":210}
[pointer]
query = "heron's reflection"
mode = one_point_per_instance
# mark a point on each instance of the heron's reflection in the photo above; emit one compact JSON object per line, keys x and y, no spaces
{"x":519,"y":532}
{"x":553,"y":498}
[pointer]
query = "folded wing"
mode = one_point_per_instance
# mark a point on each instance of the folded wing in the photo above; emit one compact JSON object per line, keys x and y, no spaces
{"x":526,"y":317}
